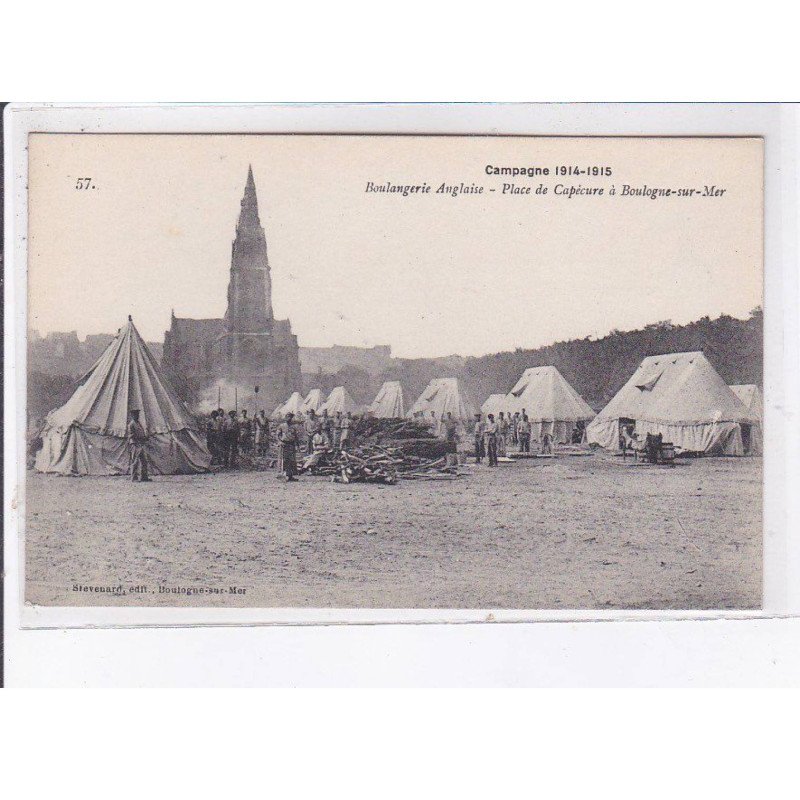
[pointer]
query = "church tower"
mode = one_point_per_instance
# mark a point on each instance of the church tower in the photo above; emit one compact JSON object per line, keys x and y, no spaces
{"x":253,"y":348}
{"x":250,"y":288}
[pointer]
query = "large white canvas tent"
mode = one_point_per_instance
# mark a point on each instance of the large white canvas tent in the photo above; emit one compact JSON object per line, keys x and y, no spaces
{"x":442,"y":396}
{"x":292,"y":405}
{"x":551,"y":403}
{"x":682,"y":397}
{"x":750,"y":395}
{"x":388,"y":403}
{"x":87,"y":435}
{"x":313,"y":402}
{"x":494,"y":404}
{"x":339,"y":400}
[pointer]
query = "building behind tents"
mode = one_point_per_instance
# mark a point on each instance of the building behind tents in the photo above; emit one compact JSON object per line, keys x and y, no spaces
{"x":680,"y":396}
{"x":389,"y":402}
{"x":87,"y":435}
{"x":551,"y":404}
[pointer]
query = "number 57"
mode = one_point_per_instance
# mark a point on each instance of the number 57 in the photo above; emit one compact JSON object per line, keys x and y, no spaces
{"x":83,"y":183}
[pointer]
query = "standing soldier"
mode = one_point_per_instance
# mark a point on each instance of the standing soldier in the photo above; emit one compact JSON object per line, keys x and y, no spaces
{"x":219,"y":438}
{"x":261,"y":425}
{"x":547,"y":442}
{"x":245,"y":432}
{"x":515,"y":428}
{"x":502,"y":434}
{"x":326,"y":425}
{"x":137,"y":441}
{"x":451,"y":439}
{"x":287,"y":448}
{"x":480,"y":450}
{"x":230,"y":436}
{"x":337,"y":431}
{"x":524,"y":434}
{"x":211,"y":437}
{"x":310,"y":427}
{"x":347,"y":426}
{"x":491,"y":433}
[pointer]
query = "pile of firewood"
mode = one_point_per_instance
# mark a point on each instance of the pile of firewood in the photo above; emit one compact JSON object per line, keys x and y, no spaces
{"x":378,"y":464}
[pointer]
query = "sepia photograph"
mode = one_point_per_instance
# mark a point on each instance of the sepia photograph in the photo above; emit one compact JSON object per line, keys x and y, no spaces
{"x":335,"y":371}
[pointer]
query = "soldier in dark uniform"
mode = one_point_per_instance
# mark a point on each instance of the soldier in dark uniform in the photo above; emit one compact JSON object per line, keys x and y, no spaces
{"x":245,"y":432}
{"x":230,"y":436}
{"x":287,"y":448}
{"x":137,"y":441}
{"x":480,"y":449}
{"x":211,"y":438}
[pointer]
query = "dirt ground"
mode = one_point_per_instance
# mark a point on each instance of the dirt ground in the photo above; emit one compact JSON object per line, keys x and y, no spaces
{"x":571,"y":532}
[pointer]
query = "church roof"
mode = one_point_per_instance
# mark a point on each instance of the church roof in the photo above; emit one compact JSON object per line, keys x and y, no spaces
{"x":203,"y":329}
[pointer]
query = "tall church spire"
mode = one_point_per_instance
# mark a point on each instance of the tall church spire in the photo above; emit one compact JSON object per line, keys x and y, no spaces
{"x":250,"y":287}
{"x":248,"y":216}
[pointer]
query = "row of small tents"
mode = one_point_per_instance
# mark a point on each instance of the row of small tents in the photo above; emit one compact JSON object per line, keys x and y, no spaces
{"x":679,"y":395}
{"x":441,"y":395}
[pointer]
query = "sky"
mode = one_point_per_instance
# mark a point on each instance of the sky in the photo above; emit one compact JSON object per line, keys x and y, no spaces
{"x":430,"y":274}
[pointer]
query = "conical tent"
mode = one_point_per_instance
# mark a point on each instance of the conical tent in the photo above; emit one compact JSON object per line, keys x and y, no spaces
{"x":494,"y":404}
{"x":682,"y":397}
{"x":750,"y":395}
{"x":339,"y":400}
{"x":292,"y":405}
{"x":87,"y":435}
{"x":388,"y":403}
{"x":313,"y":402}
{"x":443,"y":395}
{"x":551,"y":403}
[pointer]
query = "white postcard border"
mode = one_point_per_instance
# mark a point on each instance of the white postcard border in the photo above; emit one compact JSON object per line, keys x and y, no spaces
{"x":778,"y":126}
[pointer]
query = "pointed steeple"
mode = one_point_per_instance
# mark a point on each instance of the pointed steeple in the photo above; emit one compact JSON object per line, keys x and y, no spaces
{"x":250,"y":288}
{"x":248,"y":216}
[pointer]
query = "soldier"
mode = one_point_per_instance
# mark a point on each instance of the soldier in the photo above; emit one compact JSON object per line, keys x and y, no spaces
{"x":480,"y":449}
{"x":137,"y":442}
{"x":230,"y":440}
{"x":337,"y":431}
{"x":261,"y":425}
{"x":515,"y":428}
{"x":491,"y":434}
{"x":287,"y":448}
{"x":347,"y":426}
{"x":547,"y":442}
{"x":502,"y":434}
{"x":245,"y":432}
{"x":319,"y":450}
{"x":326,"y":426}
{"x":211,"y":437}
{"x":449,"y":428}
{"x":310,"y":427}
{"x":524,"y":434}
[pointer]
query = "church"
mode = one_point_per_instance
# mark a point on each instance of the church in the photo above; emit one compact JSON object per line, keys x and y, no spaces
{"x":247,"y":348}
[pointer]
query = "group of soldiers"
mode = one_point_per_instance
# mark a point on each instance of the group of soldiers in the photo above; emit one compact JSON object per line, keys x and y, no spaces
{"x":229,"y":435}
{"x":320,"y":433}
{"x":494,"y":437}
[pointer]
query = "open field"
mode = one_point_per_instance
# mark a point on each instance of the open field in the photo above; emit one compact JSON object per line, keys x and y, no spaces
{"x":571,"y":532}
